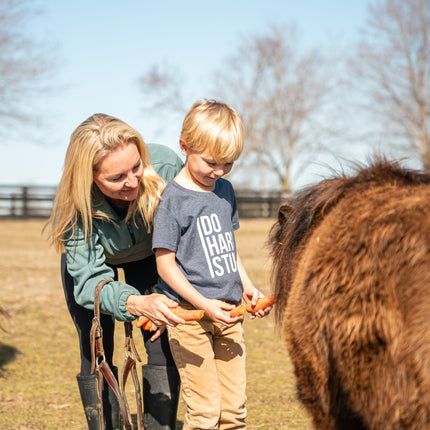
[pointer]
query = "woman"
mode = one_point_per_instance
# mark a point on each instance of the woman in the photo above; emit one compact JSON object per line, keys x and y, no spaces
{"x":102,"y":219}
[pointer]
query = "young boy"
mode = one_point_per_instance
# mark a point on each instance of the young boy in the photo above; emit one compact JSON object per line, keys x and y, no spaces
{"x":196,"y":255}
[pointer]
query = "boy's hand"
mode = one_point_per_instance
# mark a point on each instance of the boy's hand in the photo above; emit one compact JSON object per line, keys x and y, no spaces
{"x":258,"y":304}
{"x":215,"y":310}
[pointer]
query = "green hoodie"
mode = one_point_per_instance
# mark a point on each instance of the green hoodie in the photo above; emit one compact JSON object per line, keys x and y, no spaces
{"x":113,"y":242}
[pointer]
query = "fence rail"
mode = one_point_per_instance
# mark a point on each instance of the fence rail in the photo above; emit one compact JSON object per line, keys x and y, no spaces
{"x":36,"y":202}
{"x":26,"y":201}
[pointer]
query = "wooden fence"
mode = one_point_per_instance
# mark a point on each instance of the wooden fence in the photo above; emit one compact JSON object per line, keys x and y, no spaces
{"x":36,"y":202}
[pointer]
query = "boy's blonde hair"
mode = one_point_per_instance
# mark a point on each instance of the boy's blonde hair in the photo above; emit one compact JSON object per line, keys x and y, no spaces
{"x":92,"y":140}
{"x":214,"y":127}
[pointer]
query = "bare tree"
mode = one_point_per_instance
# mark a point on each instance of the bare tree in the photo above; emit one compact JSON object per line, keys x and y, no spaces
{"x":24,"y":65}
{"x":164,"y":82}
{"x":392,"y":70}
{"x":281,"y":89}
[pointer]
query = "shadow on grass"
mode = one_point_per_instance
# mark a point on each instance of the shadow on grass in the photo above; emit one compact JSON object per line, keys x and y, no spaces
{"x":179,"y":424}
{"x":7,"y":354}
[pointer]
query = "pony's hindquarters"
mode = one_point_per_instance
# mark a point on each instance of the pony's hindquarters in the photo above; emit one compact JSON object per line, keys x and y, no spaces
{"x":357,"y":321}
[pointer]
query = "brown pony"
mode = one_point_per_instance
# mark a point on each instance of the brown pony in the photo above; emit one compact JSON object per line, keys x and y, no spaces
{"x":351,"y":265}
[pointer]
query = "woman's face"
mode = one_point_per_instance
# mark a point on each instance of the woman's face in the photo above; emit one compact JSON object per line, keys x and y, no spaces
{"x":119,"y":173}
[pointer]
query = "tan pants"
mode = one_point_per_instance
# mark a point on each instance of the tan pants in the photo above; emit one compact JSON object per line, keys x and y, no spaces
{"x":210,"y":358}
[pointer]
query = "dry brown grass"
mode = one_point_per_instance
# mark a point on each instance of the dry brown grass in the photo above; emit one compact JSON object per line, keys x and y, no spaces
{"x":39,"y":355}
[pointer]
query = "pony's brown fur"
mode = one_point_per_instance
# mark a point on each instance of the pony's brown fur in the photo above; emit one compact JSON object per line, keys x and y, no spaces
{"x":351,"y":265}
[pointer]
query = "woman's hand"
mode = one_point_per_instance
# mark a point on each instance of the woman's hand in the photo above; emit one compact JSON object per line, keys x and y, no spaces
{"x":155,"y":307}
{"x":158,"y":332}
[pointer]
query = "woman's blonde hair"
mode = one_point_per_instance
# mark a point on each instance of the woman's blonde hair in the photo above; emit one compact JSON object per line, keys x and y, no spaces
{"x":92,"y":140}
{"x":214,"y":127}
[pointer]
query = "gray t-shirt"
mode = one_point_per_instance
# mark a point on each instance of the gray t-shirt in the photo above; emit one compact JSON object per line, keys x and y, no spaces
{"x":199,"y":227}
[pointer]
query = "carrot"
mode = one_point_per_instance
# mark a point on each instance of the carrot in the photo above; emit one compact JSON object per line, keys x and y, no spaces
{"x":146,"y":324}
{"x":185,"y":314}
{"x":188,"y":314}
{"x":262,"y":303}
{"x":238,"y":311}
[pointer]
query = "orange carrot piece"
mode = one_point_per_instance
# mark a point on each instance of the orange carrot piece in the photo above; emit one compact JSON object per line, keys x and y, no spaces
{"x":148,"y":325}
{"x":262,"y":303}
{"x":188,"y":314}
{"x":145,"y":323}
{"x":238,"y":311}
{"x":185,"y":314}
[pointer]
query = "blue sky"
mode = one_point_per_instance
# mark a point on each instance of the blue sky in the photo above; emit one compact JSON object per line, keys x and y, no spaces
{"x":104,"y":46}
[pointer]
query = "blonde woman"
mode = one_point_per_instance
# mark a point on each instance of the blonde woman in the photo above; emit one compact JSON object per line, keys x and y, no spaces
{"x":102,"y":221}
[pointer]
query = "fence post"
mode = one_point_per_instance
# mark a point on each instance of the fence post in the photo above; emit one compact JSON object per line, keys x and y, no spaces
{"x":25,"y":207}
{"x":13,"y":205}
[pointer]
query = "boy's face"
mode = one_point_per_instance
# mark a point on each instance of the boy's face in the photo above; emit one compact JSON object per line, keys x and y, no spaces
{"x":203,"y":170}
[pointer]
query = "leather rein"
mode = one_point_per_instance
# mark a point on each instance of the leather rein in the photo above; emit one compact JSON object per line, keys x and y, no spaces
{"x":101,"y":369}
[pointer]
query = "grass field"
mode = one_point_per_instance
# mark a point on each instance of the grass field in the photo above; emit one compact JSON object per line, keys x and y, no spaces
{"x":39,"y":355}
